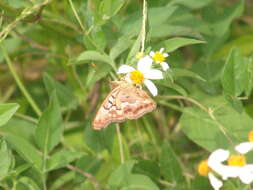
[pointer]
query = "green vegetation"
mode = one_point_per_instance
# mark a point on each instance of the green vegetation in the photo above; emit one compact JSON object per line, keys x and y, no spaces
{"x":57,"y":59}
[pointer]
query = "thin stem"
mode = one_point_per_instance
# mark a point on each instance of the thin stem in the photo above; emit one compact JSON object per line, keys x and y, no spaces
{"x":19,"y":82}
{"x":122,"y":159}
{"x":76,"y":15}
{"x":85,"y":174}
{"x":143,"y":29}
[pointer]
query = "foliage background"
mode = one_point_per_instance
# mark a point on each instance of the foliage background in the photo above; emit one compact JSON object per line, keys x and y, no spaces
{"x":56,"y":61}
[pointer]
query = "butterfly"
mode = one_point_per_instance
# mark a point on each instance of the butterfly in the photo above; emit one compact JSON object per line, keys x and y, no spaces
{"x":125,"y":101}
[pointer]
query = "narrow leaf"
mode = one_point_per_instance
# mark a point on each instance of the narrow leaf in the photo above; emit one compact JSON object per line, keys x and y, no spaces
{"x":49,"y":130}
{"x":6,"y":112}
{"x":175,"y":43}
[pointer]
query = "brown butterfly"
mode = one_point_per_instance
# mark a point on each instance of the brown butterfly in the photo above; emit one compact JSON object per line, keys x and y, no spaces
{"x":125,"y":101}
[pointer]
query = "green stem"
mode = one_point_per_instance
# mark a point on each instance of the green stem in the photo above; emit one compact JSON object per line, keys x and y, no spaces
{"x":76,"y":15}
{"x":122,"y":159}
{"x":19,"y":82}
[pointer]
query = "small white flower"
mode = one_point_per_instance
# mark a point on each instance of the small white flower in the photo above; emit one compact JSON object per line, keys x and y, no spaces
{"x":142,"y":74}
{"x":215,"y":182}
{"x":244,"y":173}
{"x":159,"y":57}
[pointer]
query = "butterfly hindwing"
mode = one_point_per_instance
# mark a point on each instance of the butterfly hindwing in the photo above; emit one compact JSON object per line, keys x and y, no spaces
{"x":123,"y":102}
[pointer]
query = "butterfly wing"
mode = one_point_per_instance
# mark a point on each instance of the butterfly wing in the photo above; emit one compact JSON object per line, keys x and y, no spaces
{"x":123,"y":102}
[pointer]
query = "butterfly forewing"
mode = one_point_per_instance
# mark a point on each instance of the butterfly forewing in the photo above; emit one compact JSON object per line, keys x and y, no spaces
{"x":123,"y":102}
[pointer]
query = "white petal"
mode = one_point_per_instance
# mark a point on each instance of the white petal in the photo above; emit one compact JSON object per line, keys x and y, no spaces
{"x":244,"y":147}
{"x":161,"y":50}
{"x":153,"y":74}
{"x":127,"y":78}
{"x":165,"y":54}
{"x":125,"y":69}
{"x":152,"y":53}
{"x":165,"y":66}
{"x":246,"y":175}
{"x":215,"y":182}
{"x":151,"y":87}
{"x":144,"y":64}
{"x":218,"y":156}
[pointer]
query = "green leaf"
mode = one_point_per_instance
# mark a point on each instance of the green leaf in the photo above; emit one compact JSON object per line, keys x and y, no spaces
{"x":220,"y":118}
{"x":62,"y":159}
{"x":49,"y":131}
{"x":109,"y":8}
{"x":99,"y":140}
{"x":175,"y":43}
{"x":185,"y":73}
{"x":26,"y":150}
{"x":148,"y":168}
{"x":28,"y":183}
{"x":88,"y":56}
{"x":89,"y":164}
{"x":6,"y":159}
{"x":139,"y":182}
{"x":237,"y":74}
{"x":170,"y":166}
{"x":6,"y":112}
{"x":121,"y":45}
{"x":65,"y":96}
{"x":119,"y":177}
{"x":193,"y":4}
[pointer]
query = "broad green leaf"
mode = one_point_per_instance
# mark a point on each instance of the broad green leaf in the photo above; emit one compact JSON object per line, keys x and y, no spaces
{"x":25,"y":128}
{"x":49,"y":131}
{"x":6,"y":112}
{"x":139,"y":182}
{"x":175,"y":43}
{"x":99,"y":140}
{"x":26,"y":150}
{"x":170,"y":166}
{"x":121,"y":45}
{"x":6,"y":159}
{"x":147,"y":168}
{"x":65,"y":96}
{"x":237,"y":74}
{"x":29,"y":183}
{"x":220,"y":118}
{"x":88,"y":56}
{"x":89,"y":164}
{"x":62,"y":159}
{"x":120,"y":176}
{"x":96,"y":73}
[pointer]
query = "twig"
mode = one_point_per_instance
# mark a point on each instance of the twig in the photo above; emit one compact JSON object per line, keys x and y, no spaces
{"x":33,"y":43}
{"x":26,"y":12}
{"x":85,"y":174}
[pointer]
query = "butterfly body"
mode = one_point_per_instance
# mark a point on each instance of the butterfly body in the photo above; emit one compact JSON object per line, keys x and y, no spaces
{"x":125,"y":101}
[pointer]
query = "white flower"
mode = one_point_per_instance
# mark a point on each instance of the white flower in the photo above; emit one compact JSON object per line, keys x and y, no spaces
{"x":142,"y":74}
{"x":215,"y":182}
{"x":244,"y":173}
{"x":159,"y":57}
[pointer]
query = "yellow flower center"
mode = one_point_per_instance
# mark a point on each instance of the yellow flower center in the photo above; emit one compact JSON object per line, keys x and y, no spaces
{"x":237,"y":160}
{"x":139,"y":55}
{"x":158,"y":57}
{"x":137,"y":77}
{"x":250,"y":137}
{"x":203,"y":168}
